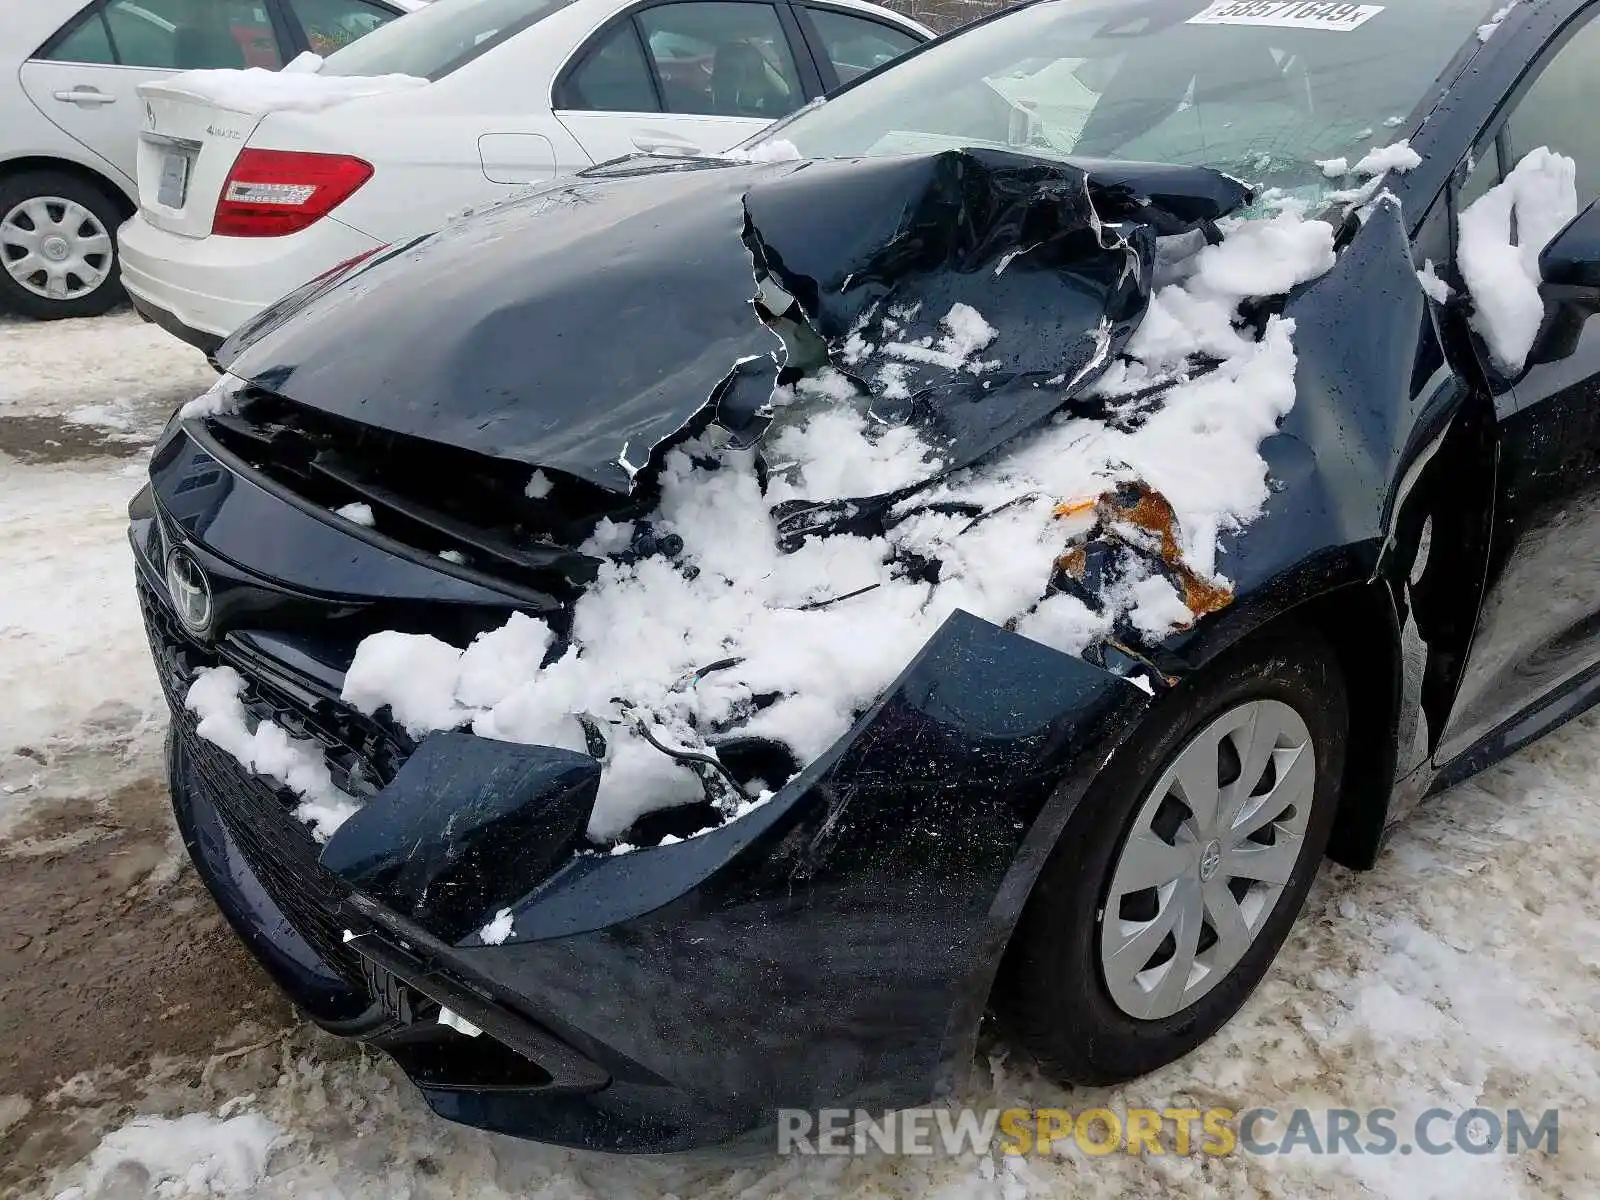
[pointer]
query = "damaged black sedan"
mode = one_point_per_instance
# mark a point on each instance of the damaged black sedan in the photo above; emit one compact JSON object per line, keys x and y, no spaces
{"x":692,"y":640}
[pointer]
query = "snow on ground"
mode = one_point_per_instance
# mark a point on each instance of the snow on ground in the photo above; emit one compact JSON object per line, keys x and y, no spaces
{"x":65,"y":616}
{"x":78,"y":401}
{"x":115,"y":371}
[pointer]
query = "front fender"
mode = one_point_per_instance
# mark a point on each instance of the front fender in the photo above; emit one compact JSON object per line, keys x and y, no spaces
{"x":1377,"y":526}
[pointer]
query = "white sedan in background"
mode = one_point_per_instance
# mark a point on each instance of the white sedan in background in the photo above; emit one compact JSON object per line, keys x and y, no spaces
{"x":70,"y":116}
{"x":252,"y":184}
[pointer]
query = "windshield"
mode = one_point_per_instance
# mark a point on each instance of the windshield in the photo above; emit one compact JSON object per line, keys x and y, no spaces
{"x":437,"y":39}
{"x":1256,"y":88}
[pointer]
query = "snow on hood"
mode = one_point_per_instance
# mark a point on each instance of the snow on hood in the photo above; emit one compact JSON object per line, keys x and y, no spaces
{"x":785,"y":614}
{"x":297,"y":87}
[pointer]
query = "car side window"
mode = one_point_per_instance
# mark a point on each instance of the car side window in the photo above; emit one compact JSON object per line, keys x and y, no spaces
{"x":88,"y":41}
{"x":1555,"y":111}
{"x":1479,"y":172}
{"x":177,"y":35}
{"x":1500,"y":231}
{"x":722,"y":59}
{"x":855,"y":45}
{"x":613,"y":76}
{"x":333,"y":24}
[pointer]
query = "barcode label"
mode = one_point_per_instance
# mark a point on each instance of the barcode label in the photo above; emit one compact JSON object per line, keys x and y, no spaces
{"x":1296,"y":14}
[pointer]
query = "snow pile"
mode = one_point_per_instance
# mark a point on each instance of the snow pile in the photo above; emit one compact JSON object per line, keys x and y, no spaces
{"x":767,"y":150}
{"x":966,"y":332}
{"x":1435,"y":288}
{"x":1502,"y":235}
{"x":498,"y":930}
{"x":1372,"y":167}
{"x":1486,"y":30}
{"x":221,"y":397}
{"x":360,"y":514}
{"x":267,"y":749}
{"x":296,"y":88}
{"x":1398,"y":156}
{"x":825,"y":628}
{"x":192,"y":1155}
{"x":429,"y":684}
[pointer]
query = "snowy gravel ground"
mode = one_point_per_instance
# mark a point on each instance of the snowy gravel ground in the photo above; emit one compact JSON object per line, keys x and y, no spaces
{"x":79,"y":401}
{"x":1463,"y":971}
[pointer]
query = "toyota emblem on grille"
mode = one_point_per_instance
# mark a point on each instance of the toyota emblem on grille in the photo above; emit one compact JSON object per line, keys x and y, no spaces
{"x":190,"y":591}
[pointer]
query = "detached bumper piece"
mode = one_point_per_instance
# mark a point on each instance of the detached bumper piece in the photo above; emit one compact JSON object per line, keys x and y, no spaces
{"x":402,"y":967}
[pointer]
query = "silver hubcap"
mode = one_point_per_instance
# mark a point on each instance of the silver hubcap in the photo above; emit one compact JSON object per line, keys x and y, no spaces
{"x":55,"y":248}
{"x":1211,"y":848}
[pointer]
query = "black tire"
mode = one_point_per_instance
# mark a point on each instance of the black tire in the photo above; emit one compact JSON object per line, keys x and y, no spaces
{"x":29,"y":185}
{"x":1052,"y":996}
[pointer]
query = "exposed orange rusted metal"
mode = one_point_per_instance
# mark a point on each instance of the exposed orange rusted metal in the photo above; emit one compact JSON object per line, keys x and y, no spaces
{"x":1143,"y":508}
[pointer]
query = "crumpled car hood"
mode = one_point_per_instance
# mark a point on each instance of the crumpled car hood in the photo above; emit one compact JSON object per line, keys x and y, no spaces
{"x":584,"y":327}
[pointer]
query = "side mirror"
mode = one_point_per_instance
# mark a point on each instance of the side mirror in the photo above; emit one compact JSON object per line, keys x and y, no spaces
{"x":1569,"y":271}
{"x":1572,"y":259}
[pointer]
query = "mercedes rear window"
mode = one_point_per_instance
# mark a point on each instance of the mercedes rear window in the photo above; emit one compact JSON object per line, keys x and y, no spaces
{"x":434,"y":41}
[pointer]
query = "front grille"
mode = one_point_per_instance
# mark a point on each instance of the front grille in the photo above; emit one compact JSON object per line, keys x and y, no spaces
{"x":176,"y":658}
{"x":363,"y":754}
{"x":425,"y":495}
{"x":280,"y":850}
{"x":260,"y":817}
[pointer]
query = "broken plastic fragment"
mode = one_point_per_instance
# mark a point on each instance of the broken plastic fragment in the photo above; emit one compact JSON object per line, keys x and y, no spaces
{"x":457,"y":1022}
{"x":359,"y":514}
{"x":1069,"y":508}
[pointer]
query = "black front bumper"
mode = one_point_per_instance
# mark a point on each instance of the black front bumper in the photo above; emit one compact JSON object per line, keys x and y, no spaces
{"x":835,"y":947}
{"x":361,"y":971}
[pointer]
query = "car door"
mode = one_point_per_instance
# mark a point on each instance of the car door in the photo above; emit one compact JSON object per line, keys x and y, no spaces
{"x":685,"y":77}
{"x":847,"y":43}
{"x":1538,"y":631}
{"x":85,"y":78}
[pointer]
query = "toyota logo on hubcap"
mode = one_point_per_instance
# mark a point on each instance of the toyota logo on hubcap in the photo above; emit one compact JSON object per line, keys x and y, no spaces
{"x":190,"y":591}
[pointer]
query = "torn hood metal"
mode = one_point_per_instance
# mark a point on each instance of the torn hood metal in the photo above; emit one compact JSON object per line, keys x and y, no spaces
{"x":583,"y":327}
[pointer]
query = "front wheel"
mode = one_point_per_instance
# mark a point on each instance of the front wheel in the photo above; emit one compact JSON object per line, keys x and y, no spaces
{"x":1183,"y":868}
{"x":58,"y":252}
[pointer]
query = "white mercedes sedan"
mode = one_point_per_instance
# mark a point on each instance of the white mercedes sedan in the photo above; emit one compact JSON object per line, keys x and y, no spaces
{"x":253,"y":183}
{"x":70,"y":114}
